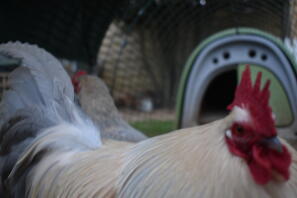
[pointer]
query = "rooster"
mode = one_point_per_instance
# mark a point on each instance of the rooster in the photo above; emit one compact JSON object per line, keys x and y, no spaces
{"x":95,"y":100}
{"x":49,"y":148}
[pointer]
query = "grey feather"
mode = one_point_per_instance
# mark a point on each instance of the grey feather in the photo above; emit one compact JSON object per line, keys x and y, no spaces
{"x":34,"y":111}
{"x":44,"y":69}
{"x":32,"y":57}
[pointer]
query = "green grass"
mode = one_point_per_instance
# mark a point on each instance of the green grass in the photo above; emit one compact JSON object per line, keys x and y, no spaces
{"x":154,"y":127}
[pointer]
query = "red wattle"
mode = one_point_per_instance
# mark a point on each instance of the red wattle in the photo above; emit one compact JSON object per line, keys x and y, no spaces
{"x":259,"y":173}
{"x":265,"y":161}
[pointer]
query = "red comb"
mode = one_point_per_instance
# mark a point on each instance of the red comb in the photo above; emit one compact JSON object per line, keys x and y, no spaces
{"x":256,"y":101}
{"x":75,"y":81}
{"x":79,"y":73}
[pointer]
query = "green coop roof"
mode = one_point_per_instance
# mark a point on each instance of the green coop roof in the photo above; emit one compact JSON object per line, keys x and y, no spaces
{"x":220,"y":35}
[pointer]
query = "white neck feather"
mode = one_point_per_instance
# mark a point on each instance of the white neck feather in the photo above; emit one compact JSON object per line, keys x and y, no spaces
{"x":192,"y":162}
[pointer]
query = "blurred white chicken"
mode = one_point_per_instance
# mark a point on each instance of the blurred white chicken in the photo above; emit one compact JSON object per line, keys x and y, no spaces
{"x":50,"y":149}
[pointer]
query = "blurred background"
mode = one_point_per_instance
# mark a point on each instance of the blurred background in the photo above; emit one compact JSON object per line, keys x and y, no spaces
{"x":143,"y":49}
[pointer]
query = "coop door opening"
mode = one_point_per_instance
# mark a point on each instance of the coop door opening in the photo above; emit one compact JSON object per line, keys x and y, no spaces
{"x":218,"y":95}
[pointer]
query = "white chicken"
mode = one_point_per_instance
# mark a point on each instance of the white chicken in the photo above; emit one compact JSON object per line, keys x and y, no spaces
{"x":50,"y":149}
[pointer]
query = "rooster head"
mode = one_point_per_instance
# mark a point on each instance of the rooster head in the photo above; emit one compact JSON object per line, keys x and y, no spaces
{"x":252,"y":135}
{"x":75,"y":80}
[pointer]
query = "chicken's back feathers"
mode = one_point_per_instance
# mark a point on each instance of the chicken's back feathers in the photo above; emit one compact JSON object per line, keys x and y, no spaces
{"x":85,"y":174}
{"x":38,"y":104}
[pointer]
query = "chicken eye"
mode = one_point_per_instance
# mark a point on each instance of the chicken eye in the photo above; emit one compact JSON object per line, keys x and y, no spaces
{"x":239,"y":129}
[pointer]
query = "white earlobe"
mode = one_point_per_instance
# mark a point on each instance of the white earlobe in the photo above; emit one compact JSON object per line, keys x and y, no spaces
{"x":228,"y":134}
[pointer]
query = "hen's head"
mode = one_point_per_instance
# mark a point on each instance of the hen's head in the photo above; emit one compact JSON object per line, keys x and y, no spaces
{"x":75,"y":80}
{"x":252,"y":135}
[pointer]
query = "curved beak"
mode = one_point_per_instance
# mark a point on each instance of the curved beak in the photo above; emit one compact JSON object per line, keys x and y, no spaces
{"x":274,"y":144}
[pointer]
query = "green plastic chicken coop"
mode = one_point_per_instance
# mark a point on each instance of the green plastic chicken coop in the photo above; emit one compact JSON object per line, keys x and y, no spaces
{"x":213,"y":70}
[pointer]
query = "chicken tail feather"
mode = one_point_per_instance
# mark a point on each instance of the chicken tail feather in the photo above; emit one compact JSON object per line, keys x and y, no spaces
{"x":38,"y":116}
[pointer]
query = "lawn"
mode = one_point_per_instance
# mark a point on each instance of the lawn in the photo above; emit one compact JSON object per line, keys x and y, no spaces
{"x":154,"y":127}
